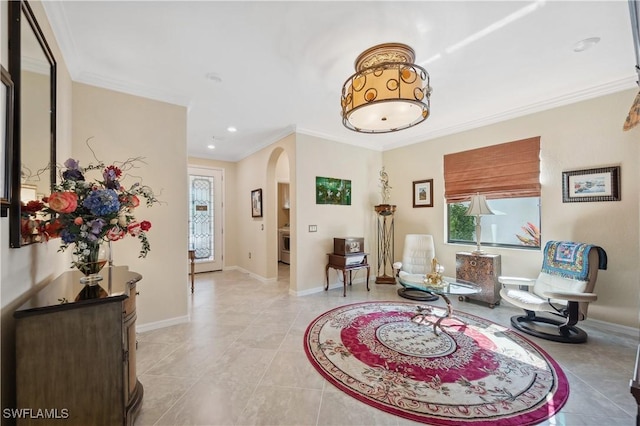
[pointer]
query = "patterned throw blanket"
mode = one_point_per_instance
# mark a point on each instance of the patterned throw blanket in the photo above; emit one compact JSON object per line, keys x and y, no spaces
{"x":570,"y":260}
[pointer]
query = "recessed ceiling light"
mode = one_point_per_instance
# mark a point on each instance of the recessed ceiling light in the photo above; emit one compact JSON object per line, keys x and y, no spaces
{"x":231,"y":129}
{"x":585,"y":44}
{"x":211,"y":146}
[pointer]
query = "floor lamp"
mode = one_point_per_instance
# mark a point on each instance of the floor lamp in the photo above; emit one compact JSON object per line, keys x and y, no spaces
{"x":478,"y":207}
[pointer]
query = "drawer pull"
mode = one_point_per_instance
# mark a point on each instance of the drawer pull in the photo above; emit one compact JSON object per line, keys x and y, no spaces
{"x":472,"y":263}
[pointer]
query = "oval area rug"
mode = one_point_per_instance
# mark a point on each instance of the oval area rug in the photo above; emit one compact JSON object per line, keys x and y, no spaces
{"x":476,"y":372}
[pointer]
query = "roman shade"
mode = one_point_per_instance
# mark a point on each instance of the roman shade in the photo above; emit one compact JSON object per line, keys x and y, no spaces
{"x":506,"y":170}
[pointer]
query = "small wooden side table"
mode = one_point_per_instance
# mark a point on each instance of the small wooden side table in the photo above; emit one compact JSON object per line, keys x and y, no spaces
{"x":192,"y":261}
{"x":339,"y":263}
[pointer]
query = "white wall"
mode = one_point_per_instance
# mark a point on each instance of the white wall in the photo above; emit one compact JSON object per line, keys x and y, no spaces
{"x":580,"y":136}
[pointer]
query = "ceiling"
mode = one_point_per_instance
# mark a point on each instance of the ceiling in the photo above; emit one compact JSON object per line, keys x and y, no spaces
{"x":271,"y":68}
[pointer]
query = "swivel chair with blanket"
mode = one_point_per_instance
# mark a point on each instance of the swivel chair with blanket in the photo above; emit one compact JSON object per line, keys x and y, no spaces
{"x":564,"y":288}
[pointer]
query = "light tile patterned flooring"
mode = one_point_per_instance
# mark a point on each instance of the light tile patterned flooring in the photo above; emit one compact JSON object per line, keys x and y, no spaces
{"x":240,"y":361}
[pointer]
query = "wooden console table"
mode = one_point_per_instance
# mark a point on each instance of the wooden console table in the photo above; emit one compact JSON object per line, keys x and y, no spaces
{"x":339,"y":263}
{"x":79,"y":356}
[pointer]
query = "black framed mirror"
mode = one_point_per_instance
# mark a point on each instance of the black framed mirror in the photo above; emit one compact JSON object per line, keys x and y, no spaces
{"x":32,"y":170}
{"x":6,"y":136}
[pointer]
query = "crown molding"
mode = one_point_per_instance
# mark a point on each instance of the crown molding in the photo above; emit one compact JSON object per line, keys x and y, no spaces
{"x":281,"y":134}
{"x":559,"y":101}
{"x":60,"y":27}
{"x":132,"y":89}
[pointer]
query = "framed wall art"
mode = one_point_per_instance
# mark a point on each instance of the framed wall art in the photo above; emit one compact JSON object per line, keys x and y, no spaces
{"x":256,"y":203}
{"x":333,"y":191}
{"x":423,"y":193}
{"x":6,"y":135}
{"x":601,"y":184}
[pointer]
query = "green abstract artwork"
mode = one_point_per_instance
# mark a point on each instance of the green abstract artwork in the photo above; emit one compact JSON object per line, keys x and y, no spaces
{"x":333,"y":191}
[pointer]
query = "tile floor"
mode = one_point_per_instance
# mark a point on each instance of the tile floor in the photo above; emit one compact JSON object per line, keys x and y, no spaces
{"x":240,"y":361}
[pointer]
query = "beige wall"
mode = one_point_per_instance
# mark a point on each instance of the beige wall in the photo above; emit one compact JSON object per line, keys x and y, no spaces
{"x":230,"y":219}
{"x":579,"y":136}
{"x":124,"y":126}
{"x":26,"y":269}
{"x":36,"y":131}
{"x":320,"y":157}
{"x":259,"y":236}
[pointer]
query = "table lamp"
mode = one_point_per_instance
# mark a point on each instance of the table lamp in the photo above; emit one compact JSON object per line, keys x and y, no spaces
{"x":478,"y":207}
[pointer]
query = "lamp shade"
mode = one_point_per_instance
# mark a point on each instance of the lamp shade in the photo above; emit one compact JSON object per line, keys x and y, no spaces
{"x":387,"y":93}
{"x":478,"y":206}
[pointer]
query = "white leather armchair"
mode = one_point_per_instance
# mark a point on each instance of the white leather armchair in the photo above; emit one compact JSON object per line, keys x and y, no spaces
{"x":417,"y":254}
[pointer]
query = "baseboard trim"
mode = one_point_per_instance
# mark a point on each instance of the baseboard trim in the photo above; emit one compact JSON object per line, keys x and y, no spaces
{"x":255,"y":276}
{"x":320,"y":289}
{"x":611,"y":327}
{"x":141,"y":328}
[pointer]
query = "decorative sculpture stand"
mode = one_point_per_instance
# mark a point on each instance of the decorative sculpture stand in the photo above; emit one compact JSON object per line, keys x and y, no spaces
{"x":434,"y":278}
{"x":385,"y":243}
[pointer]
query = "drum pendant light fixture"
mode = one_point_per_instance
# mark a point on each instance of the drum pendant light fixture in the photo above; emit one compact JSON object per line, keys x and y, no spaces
{"x":388,"y":92}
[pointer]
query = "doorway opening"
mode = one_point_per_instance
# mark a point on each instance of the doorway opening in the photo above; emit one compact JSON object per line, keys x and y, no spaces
{"x":206,"y":218}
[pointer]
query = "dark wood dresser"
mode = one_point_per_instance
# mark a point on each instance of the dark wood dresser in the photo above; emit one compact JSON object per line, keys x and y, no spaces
{"x":76,"y":359}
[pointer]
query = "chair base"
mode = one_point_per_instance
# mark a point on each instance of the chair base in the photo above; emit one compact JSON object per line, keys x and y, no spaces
{"x":548,"y":328}
{"x":419,"y":295}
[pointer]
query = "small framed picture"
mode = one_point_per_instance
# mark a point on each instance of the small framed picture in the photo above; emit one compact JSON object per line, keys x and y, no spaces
{"x":423,"y":193}
{"x":256,"y":203}
{"x":602,"y":184}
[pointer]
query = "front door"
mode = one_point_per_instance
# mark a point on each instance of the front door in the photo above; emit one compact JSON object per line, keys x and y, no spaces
{"x":205,"y":218}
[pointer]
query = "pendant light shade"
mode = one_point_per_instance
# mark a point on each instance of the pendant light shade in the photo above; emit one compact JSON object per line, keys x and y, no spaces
{"x":387,"y":93}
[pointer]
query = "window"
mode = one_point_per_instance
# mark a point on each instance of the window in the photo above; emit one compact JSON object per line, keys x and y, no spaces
{"x":509,"y":176}
{"x":515,"y":224}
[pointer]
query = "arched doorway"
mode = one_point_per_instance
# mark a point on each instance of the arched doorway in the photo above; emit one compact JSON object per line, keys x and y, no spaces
{"x":279,"y":221}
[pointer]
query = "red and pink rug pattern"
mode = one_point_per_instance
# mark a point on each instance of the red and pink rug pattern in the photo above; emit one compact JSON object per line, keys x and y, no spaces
{"x":475,"y":372}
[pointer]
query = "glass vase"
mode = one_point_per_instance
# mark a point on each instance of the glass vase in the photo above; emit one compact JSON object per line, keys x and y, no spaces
{"x":90,"y":262}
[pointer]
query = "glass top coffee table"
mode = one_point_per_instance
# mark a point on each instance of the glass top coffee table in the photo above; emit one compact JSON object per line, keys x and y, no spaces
{"x":449,"y":286}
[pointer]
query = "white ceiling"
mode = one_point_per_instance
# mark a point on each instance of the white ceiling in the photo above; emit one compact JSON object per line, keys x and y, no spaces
{"x":279,"y":66}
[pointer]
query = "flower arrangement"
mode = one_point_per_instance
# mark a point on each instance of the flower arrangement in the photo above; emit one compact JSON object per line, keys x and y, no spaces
{"x":532,"y":237}
{"x":86,"y":213}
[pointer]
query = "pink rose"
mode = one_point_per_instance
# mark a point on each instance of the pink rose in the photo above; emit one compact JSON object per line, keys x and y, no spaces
{"x":134,"y":229}
{"x":63,"y":202}
{"x":134,"y":201}
{"x":130,"y":201}
{"x":145,"y":225}
{"x":78,"y":221}
{"x":115,"y":233}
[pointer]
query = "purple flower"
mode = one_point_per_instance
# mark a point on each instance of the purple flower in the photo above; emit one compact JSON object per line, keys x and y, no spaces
{"x":71,"y":164}
{"x":96,"y":225}
{"x":72,"y":175}
{"x":67,"y":236}
{"x":73,"y":171}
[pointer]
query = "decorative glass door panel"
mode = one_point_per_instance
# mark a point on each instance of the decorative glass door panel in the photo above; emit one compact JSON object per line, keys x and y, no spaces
{"x":205,"y":216}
